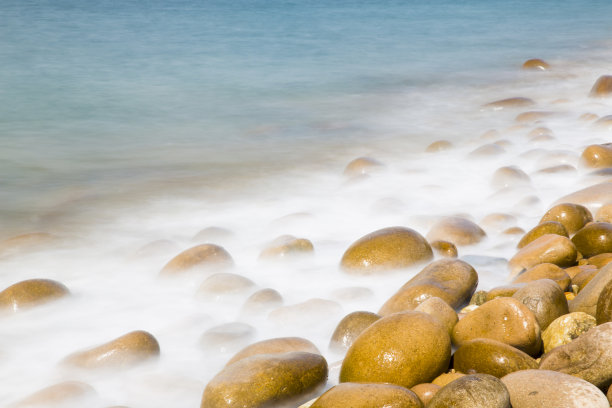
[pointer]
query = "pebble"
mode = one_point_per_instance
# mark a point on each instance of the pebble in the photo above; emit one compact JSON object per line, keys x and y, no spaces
{"x":227,"y":337}
{"x":545,"y":271}
{"x":573,"y":216}
{"x":444,"y":248}
{"x":597,"y":156}
{"x":586,"y":300}
{"x":220,"y":284}
{"x":487,"y":150}
{"x":361,"y":166}
{"x":446,"y":378}
{"x":516,"y":102}
{"x":367,"y":396}
{"x":536,"y":64}
{"x":457,"y":230}
{"x":213,"y":234}
{"x":425,"y":391}
{"x":592,"y":197}
{"x":308,"y":313}
{"x":602,"y":87}
{"x":439,"y":146}
{"x":566,"y":328}
{"x":603,"y":311}
{"x":30,"y":293}
{"x":543,"y":228}
{"x":277,"y":345}
{"x":491,"y":357}
{"x":205,"y":256}
{"x":604,"y":213}
{"x":549,"y":248}
{"x":287,"y":246}
{"x":349,"y":328}
{"x":27,"y":243}
{"x":68,"y":392}
{"x":545,"y":299}
{"x":509,"y":176}
{"x":441,"y":311}
{"x":472,"y":391}
{"x":593,"y":239}
{"x":262,"y":301}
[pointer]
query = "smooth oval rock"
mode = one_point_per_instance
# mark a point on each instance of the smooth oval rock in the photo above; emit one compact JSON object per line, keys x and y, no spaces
{"x":205,"y":256}
{"x":504,"y":291}
{"x":220,"y":284}
{"x":386,"y":249}
{"x":277,"y":345}
{"x":27,"y":243}
{"x":536,"y":64}
{"x":440,"y":310}
{"x":549,"y":248}
{"x":509,"y":176}
{"x":588,"y":357}
{"x":571,"y":215}
{"x":405,"y":349}
{"x":592,"y":197}
{"x":262,"y":301}
{"x":456,"y":230}
{"x":566,"y":328}
{"x":543,"y":228}
{"x":593,"y":239}
{"x":597,"y":156}
{"x":545,"y":299}
{"x":545,"y":271}
{"x":125,"y":351}
{"x":516,"y":102}
{"x":532,"y":116}
{"x":444,"y":248}
{"x":362,"y":165}
{"x":586,"y":300}
{"x":349,"y":328}
{"x":451,"y":280}
{"x":487,"y":151}
{"x":438,"y":146}
{"x":212,"y":234}
{"x":600,"y":260}
{"x":492,"y":357}
{"x":31,"y":292}
{"x":472,"y":391}
{"x":287,"y":246}
{"x":602,"y":87}
{"x":545,"y":388}
{"x":368,"y":396}
{"x":266,"y":380}
{"x":503,"y":319}
{"x":307,"y":313}
{"x":603,"y":312}
{"x":446,"y":378}
{"x":425,"y":391}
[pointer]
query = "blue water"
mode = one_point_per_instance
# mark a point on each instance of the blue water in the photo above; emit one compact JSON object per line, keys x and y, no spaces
{"x":97,"y":93}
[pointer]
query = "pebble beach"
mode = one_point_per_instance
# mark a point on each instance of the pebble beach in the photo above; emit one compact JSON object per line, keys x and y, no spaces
{"x":436,"y":245}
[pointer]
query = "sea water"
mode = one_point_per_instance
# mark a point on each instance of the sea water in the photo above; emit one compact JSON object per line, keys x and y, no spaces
{"x":126,"y":123}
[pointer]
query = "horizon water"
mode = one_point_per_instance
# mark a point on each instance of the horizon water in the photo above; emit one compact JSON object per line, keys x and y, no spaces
{"x":126,"y":123}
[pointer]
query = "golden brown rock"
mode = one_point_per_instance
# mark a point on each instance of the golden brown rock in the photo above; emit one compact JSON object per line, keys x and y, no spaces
{"x":503,"y":319}
{"x":368,"y":396}
{"x":514,"y":231}
{"x":405,"y":349}
{"x":125,"y":351}
{"x":603,"y":312}
{"x":600,"y":260}
{"x":277,"y":345}
{"x":446,"y":378}
{"x":549,"y":248}
{"x":425,"y":391}
{"x":472,"y":391}
{"x":546,"y":227}
{"x":586,"y":299}
{"x":516,"y":102}
{"x":604,"y":123}
{"x":438,"y":146}
{"x":593,"y":239}
{"x":545,"y":299}
{"x":287,"y":246}
{"x":597,"y":156}
{"x":581,"y":279}
{"x":497,"y":221}
{"x":566,"y":328}
{"x":67,"y":392}
{"x":205,"y":256}
{"x":30,"y":293}
{"x":504,"y":291}
{"x":593,"y":197}
{"x":491,"y":357}
{"x":361,"y":166}
{"x":604,"y":213}
{"x":545,"y":271}
{"x":267,"y":380}
{"x":349,"y":328}
{"x":444,"y":248}
{"x":572,"y":216}
{"x":575,"y":270}
{"x":509,"y":176}
{"x":602,"y":87}
{"x":536,"y":64}
{"x":439,"y":309}
{"x":457,"y":230}
{"x":386,"y":249}
{"x":452,"y":280}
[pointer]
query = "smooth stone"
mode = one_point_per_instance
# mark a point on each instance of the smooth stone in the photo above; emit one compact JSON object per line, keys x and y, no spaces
{"x":478,"y":298}
{"x":439,"y":146}
{"x":491,"y":357}
{"x":386,"y":249}
{"x":405,"y":349}
{"x":604,"y":213}
{"x":583,"y":278}
{"x":566,"y":328}
{"x":549,"y":248}
{"x":593,"y":239}
{"x":452,"y":280}
{"x":603,"y":312}
{"x":592,"y":197}
{"x":444,"y":248}
{"x":349,"y":328}
{"x":213,"y":234}
{"x":517,"y":102}
{"x":602,"y":87}
{"x":368,"y":396}
{"x":262,"y":301}
{"x":205,"y":256}
{"x":128,"y":350}
{"x":545,"y":271}
{"x":30,"y":293}
{"x":446,"y":378}
{"x":573,"y":271}
{"x":559,"y":169}
{"x":425,"y":391}
{"x":586,"y":300}
{"x":227,"y":337}
{"x":543,"y":228}
{"x":310,"y":312}
{"x":545,"y":388}
{"x":532,"y":116}
{"x":597,"y":156}
{"x":472,"y":391}
{"x":540,"y":131}
{"x":287,"y":246}
{"x":545,"y":299}
{"x":487,"y":150}
{"x":600,"y":260}
{"x":26,"y":243}
{"x":277,"y":345}
{"x":456,"y":230}
{"x":509,"y":176}
{"x":514,"y":231}
{"x":588,"y":357}
{"x":536,"y":64}
{"x":267,"y":380}
{"x":504,"y":291}
{"x":361,"y":166}
{"x":223,"y":283}
{"x":440,"y":310}
{"x":571,"y":215}
{"x":67,"y":392}
{"x":503,"y":319}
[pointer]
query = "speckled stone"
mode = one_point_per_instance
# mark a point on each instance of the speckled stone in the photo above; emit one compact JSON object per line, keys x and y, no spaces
{"x":536,"y":64}
{"x":571,"y":215}
{"x":593,"y":239}
{"x":123,"y":352}
{"x":588,"y":357}
{"x":368,"y":396}
{"x":503,"y":319}
{"x":386,"y":249}
{"x":546,"y":227}
{"x":405,"y":349}
{"x":287,"y":246}
{"x":545,"y":271}
{"x":30,"y":293}
{"x":545,"y":299}
{"x":586,"y":299}
{"x":267,"y":380}
{"x":277,"y":345}
{"x":452,"y":280}
{"x":597,"y":156}
{"x":205,"y":256}
{"x":516,"y":102}
{"x":456,"y":230}
{"x":602,"y":87}
{"x":67,"y":392}
{"x":603,"y":312}
{"x":491,"y":357}
{"x":472,"y":391}
{"x":440,"y":310}
{"x":444,"y":249}
{"x":549,"y":248}
{"x":566,"y":328}
{"x":545,"y":388}
{"x":349,"y":328}
{"x":361,"y":166}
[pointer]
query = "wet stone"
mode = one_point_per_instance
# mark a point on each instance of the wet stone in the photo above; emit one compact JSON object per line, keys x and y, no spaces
{"x":593,"y":197}
{"x":446,"y":378}
{"x":545,"y":271}
{"x":509,"y":176}
{"x":491,"y":357}
{"x":27,"y":243}
{"x":457,"y":230}
{"x":444,"y":248}
{"x":213,"y":234}
{"x":549,"y":248}
{"x":516,"y":102}
{"x":205,"y":257}
{"x":600,"y":260}
{"x":566,"y":328}
{"x":603,"y":312}
{"x":597,"y":156}
{"x":287,"y":246}
{"x":349,"y":328}
{"x":487,"y":150}
{"x":310,"y":312}
{"x":602,"y":87}
{"x":572,"y":216}
{"x":604,"y":213}
{"x":68,"y":392}
{"x":31,"y":293}
{"x":262,"y":301}
{"x":438,"y":146}
{"x":586,"y":300}
{"x":593,"y":239}
{"x":277,"y":345}
{"x":532,"y":116}
{"x":221,"y":284}
{"x":536,"y":64}
{"x":546,"y":227}
{"x":425,"y":391}
{"x":367,"y":396}
{"x":361,"y":166}
{"x":441,"y":311}
{"x":545,"y":299}
{"x":472,"y":391}
{"x":504,"y":291}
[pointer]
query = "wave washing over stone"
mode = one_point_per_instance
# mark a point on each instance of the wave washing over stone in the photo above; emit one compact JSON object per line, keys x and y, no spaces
{"x":143,"y":305}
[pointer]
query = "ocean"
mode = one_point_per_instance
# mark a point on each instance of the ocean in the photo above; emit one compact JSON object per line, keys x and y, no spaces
{"x":129,"y":122}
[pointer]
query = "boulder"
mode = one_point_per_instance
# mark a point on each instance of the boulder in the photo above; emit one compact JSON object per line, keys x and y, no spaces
{"x":491,"y":357}
{"x":349,"y":328}
{"x":543,"y":228}
{"x":566,"y":328}
{"x":456,"y":230}
{"x":571,"y":215}
{"x":472,"y":391}
{"x":549,"y":248}
{"x":593,"y":239}
{"x":205,"y":256}
{"x":368,"y":396}
{"x":277,"y":345}
{"x":30,"y":293}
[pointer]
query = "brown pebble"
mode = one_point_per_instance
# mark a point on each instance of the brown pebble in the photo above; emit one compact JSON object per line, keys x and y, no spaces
{"x":425,"y":391}
{"x":536,"y":64}
{"x":532,"y":116}
{"x":349,"y":328}
{"x":367,"y":396}
{"x":603,"y":312}
{"x":444,"y":248}
{"x":602,"y":87}
{"x":572,"y":216}
{"x":593,"y":239}
{"x":62,"y":393}
{"x":487,"y":150}
{"x":457,"y":230}
{"x":205,"y":256}
{"x":604,"y":213}
{"x":549,"y":248}
{"x":361,"y":166}
{"x":30,"y":293}
{"x":446,"y":378}
{"x":491,"y":357}
{"x":275,"y":346}
{"x":543,"y":228}
{"x":545,"y":271}
{"x":287,"y":246}
{"x":510,"y":103}
{"x":597,"y":156}
{"x":438,"y":146}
